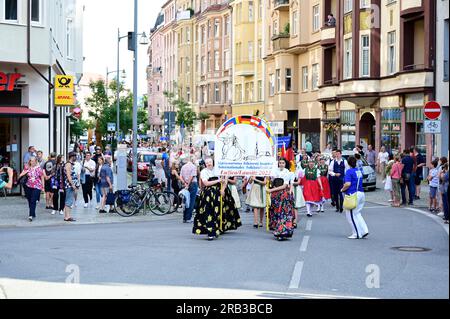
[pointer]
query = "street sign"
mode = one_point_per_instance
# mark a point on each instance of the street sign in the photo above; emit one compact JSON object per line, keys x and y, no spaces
{"x":432,"y":110}
{"x":111,"y":127}
{"x":432,"y":127}
{"x":64,"y":90}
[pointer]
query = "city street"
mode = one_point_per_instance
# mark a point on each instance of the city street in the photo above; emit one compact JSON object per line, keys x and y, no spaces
{"x":162,"y":259}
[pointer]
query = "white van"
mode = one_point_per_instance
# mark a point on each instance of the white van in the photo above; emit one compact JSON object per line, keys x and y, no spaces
{"x":200,"y":140}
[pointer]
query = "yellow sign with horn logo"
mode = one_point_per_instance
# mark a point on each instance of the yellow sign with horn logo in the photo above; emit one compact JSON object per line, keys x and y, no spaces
{"x":64,"y":90}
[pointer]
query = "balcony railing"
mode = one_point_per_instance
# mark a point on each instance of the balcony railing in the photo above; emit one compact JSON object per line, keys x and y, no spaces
{"x":280,"y":42}
{"x":413,"y":67}
{"x":328,"y":35}
{"x":281,"y":5}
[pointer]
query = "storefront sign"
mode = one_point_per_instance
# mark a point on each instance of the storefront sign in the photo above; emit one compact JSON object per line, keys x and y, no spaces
{"x":432,"y":127}
{"x":245,"y":145}
{"x":8,"y":81}
{"x":64,"y":90}
{"x":111,"y":127}
{"x":277,"y":127}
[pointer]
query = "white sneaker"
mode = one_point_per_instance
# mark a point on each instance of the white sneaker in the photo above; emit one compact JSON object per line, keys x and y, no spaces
{"x":441,"y":214}
{"x":85,"y":205}
{"x":97,"y":207}
{"x":390,"y":201}
{"x":353,"y":237}
{"x":53,"y":212}
{"x":61,"y":213}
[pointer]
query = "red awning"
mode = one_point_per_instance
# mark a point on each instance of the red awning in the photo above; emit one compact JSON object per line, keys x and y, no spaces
{"x":20,"y":111}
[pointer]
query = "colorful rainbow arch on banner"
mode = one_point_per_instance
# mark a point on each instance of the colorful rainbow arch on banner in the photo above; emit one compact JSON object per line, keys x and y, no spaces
{"x":249,"y":120}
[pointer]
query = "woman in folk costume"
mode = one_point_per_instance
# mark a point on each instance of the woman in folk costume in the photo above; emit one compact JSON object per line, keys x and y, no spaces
{"x":281,"y":212}
{"x":323,"y":168}
{"x":257,"y":199}
{"x":207,"y":219}
{"x":232,"y":181}
{"x":299,"y":199}
{"x":312,"y":187}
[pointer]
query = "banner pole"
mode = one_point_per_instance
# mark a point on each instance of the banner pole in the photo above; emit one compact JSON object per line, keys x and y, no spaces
{"x":267,"y":205}
{"x":221,"y":209}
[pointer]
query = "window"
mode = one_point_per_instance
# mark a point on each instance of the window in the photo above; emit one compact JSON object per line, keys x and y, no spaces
{"x":278,"y":80}
{"x":239,"y":13}
{"x":188,"y":35}
{"x":227,"y":25}
{"x":157,"y":110}
{"x":226,"y":57}
{"x":238,"y":93}
{"x":188,"y":93}
{"x":275,"y":27}
{"x":11,"y":10}
{"x":271,"y":84}
{"x":305,"y":77}
{"x":203,"y":65}
{"x":238,"y":52}
{"x":259,"y":49}
{"x":348,"y":6}
{"x":348,"y":67}
{"x":225,"y":91}
{"x":260,"y":9}
{"x":364,"y":4}
{"x":260,"y":91}
{"x":295,"y":23}
{"x":315,"y":76}
{"x":365,"y":56}
{"x":216,"y":28}
{"x":205,"y":95}
{"x":69,"y":26}
{"x":288,"y":80}
{"x":208,"y":63}
{"x":250,"y":51}
{"x":250,"y":11}
{"x":446,"y":50}
{"x":216,"y":93}
{"x":188,"y":65}
{"x":203,"y":35}
{"x":316,"y":18}
{"x":216,"y":61}
{"x":36,"y":11}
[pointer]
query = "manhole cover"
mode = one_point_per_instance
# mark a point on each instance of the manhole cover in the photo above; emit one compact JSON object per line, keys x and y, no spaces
{"x":411,"y":249}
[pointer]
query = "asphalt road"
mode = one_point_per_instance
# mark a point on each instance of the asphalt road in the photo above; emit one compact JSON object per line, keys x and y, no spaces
{"x":162,"y":259}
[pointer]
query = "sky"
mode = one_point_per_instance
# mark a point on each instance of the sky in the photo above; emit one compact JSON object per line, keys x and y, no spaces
{"x":101,"y":20}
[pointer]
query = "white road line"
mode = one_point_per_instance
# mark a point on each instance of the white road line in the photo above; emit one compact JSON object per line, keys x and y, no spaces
{"x":309,"y":225}
{"x":304,"y":245}
{"x":296,"y":276}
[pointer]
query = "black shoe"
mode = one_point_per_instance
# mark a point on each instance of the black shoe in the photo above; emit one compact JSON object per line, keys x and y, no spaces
{"x":333,"y":204}
{"x":255,"y":226}
{"x":211,"y":238}
{"x":411,"y":204}
{"x":341,"y":211}
{"x":102,"y":211}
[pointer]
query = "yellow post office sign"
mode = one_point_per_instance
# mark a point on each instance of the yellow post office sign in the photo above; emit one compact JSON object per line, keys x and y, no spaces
{"x":64,"y":90}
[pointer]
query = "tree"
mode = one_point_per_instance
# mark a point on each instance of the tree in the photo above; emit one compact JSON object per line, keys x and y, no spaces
{"x":97,"y":103}
{"x":202,"y":116}
{"x":185,"y":115}
{"x":78,"y":128}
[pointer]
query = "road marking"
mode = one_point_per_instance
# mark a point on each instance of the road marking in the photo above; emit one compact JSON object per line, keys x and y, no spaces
{"x":296,"y":276}
{"x":309,"y":225}
{"x":304,"y":245}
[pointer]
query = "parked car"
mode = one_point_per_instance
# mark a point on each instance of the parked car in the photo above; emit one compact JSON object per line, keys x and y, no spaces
{"x":146,"y":162}
{"x":369,"y":174}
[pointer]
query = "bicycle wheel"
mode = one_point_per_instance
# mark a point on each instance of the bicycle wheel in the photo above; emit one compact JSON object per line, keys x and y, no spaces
{"x":159,"y":204}
{"x":174,"y":201}
{"x":130,"y":208}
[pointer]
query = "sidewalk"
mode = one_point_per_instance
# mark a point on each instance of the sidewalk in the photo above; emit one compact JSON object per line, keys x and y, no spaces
{"x":14,"y":213}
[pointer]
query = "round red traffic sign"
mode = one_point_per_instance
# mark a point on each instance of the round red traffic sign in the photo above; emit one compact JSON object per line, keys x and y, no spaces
{"x":432,"y":110}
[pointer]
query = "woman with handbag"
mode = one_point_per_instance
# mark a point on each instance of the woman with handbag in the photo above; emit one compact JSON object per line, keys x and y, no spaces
{"x":281,"y":211}
{"x":354,"y":200}
{"x":57,"y":185}
{"x":34,"y":185}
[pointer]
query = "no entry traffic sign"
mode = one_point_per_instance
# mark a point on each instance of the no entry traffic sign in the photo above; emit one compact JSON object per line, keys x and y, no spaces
{"x":432,"y":110}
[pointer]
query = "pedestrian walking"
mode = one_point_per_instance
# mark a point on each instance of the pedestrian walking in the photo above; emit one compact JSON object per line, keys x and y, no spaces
{"x":34,"y":185}
{"x":388,"y":179}
{"x":72,"y":185}
{"x":337,"y":170}
{"x":396,"y":175}
{"x":299,"y":199}
{"x":106,"y":182}
{"x":371,"y":157}
{"x":188,"y":177}
{"x":58,"y":187}
{"x":257,"y":199}
{"x":175,"y":177}
{"x":407,"y":181}
{"x":97,"y":181}
{"x":382,"y":160}
{"x":281,"y":211}
{"x":87,"y":178}
{"x":354,"y":187}
{"x":49,"y":169}
{"x":420,"y":164}
{"x":312,"y":188}
{"x":326,"y":191}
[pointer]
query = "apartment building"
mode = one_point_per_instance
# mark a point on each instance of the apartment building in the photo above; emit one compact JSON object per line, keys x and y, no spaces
{"x":247,"y":63}
{"x":293,"y":59}
{"x":378,"y":72}
{"x":27,"y":113}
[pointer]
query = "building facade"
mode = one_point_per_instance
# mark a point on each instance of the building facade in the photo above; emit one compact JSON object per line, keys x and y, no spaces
{"x":378,"y":72}
{"x":247,"y":63}
{"x":27,"y":112}
{"x":293,"y":57}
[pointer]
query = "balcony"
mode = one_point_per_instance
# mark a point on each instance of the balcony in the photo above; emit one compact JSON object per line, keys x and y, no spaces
{"x":411,"y":8}
{"x":185,"y":15}
{"x":281,"y":5}
{"x":245,"y":68}
{"x":280,"y":42}
{"x":215,"y":109}
{"x":328,"y":36}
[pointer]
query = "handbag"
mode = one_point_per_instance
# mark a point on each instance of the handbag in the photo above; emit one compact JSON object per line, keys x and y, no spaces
{"x":23,"y":180}
{"x":351,"y":201}
{"x":110,"y":199}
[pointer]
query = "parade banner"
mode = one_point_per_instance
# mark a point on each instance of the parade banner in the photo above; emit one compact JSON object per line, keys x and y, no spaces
{"x":245,"y":145}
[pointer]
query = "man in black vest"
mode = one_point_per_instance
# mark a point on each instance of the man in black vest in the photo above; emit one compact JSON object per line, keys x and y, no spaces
{"x":337,"y":170}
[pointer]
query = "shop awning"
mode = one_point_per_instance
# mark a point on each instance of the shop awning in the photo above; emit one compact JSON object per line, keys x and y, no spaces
{"x":21,"y":112}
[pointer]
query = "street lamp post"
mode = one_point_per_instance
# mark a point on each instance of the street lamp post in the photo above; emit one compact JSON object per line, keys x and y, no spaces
{"x":118,"y":86}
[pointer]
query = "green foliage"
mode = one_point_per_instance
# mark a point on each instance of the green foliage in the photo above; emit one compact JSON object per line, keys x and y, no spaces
{"x":202,"y":116}
{"x":78,"y":128}
{"x":185,"y":114}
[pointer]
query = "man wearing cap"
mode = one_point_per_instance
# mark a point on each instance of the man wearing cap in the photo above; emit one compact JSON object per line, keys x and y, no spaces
{"x":98,"y":153}
{"x":49,"y":173}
